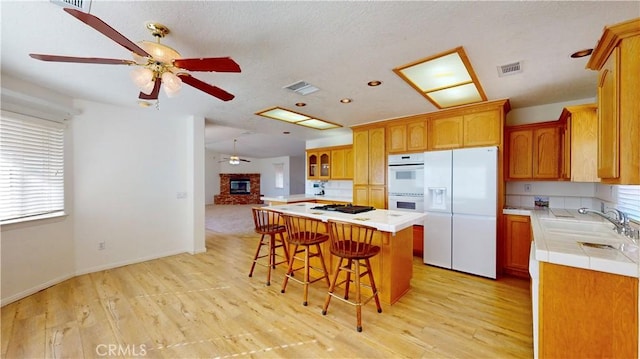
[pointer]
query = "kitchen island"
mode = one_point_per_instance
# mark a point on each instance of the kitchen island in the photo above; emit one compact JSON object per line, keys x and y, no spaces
{"x":393,"y":267}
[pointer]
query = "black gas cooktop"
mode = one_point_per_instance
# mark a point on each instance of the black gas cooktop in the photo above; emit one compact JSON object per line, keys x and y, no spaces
{"x":344,"y":208}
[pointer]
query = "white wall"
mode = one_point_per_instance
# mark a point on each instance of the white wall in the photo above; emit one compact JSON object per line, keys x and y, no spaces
{"x":543,"y":113}
{"x":130,"y":167}
{"x":211,"y":175}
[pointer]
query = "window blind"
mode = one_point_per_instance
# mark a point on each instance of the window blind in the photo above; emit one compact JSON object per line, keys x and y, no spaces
{"x":31,"y":167}
{"x":629,"y":201}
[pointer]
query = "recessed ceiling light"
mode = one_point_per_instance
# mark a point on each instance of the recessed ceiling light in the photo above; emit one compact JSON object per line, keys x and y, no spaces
{"x":346,"y":100}
{"x":301,"y":104}
{"x":581,"y":53}
{"x":144,"y":103}
{"x":374,"y":83}
{"x":286,"y":132}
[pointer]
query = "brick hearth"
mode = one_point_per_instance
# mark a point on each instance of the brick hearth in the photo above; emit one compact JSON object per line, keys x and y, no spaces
{"x":226,"y":198}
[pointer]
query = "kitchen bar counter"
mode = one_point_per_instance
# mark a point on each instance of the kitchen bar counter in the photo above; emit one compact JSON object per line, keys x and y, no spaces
{"x":558,"y":235}
{"x":393,"y":267}
{"x":384,"y":220}
{"x":295,"y":198}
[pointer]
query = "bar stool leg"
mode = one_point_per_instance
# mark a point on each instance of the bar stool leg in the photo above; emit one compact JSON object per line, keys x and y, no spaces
{"x":348,"y":282}
{"x":291,"y":260}
{"x":332,"y":287}
{"x":255,"y":257}
{"x":358,"y":296}
{"x":373,"y":285}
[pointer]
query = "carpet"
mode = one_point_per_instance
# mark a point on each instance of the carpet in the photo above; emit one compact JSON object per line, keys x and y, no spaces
{"x":229,"y":218}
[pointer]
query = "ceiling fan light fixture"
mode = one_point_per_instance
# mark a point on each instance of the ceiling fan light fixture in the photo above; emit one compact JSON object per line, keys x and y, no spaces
{"x":171,"y":82}
{"x":234,"y":160}
{"x":158,"y":51}
{"x":141,"y":77}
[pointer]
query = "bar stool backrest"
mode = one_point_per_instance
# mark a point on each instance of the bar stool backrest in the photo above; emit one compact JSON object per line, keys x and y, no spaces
{"x":304,"y":230}
{"x":349,"y":240}
{"x":266,"y":221}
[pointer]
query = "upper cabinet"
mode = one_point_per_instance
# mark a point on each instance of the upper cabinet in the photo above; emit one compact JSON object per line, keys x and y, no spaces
{"x":466,"y":129}
{"x":407,"y":135}
{"x":580,"y":143}
{"x":616,"y":58}
{"x":534,"y":151}
{"x":342,"y":163}
{"x":330,"y":163}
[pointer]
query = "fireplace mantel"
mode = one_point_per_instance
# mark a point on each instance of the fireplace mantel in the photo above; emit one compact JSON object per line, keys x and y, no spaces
{"x":225,"y":196}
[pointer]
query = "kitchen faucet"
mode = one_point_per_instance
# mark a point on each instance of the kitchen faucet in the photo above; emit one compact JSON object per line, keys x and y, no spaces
{"x":621,"y":221}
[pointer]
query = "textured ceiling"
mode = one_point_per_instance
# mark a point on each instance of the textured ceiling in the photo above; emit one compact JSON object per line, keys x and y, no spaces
{"x":336,"y":46}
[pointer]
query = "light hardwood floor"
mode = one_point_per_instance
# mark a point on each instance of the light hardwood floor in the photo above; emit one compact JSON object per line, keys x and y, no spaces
{"x":205,"y":306}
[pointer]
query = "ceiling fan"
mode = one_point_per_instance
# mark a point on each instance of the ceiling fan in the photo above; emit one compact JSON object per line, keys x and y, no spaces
{"x":155,"y":63}
{"x":234,"y":159}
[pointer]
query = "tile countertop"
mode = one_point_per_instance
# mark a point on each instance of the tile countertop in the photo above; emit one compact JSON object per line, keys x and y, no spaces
{"x":384,"y":220}
{"x":304,"y":198}
{"x":559,"y":237}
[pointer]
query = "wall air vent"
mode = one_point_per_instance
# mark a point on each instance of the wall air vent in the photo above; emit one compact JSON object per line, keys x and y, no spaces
{"x":510,"y":69}
{"x":302,"y":88}
{"x":82,"y":5}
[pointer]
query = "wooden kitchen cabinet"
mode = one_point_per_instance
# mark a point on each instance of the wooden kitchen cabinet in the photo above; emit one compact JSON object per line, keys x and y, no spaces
{"x":324,"y":158}
{"x":482,"y":129}
{"x":586,"y":313}
{"x":534,"y":151}
{"x":342,"y":163}
{"x":407,"y":135}
{"x":580,"y":143}
{"x":616,"y":59}
{"x":517,"y":245}
{"x":474,"y":129}
{"x":313,"y":165}
{"x":370,"y":167}
{"x":445,"y":133}
{"x":546,"y":152}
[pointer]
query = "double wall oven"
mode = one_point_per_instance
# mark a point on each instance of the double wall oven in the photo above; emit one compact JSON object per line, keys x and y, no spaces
{"x":406,"y":182}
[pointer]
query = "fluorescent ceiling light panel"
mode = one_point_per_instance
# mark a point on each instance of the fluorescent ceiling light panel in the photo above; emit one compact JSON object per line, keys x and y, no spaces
{"x":446,"y":79}
{"x":317,"y":124}
{"x":282,"y":114}
{"x":456,"y":96}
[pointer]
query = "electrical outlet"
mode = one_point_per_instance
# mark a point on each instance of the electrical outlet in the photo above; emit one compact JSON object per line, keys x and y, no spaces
{"x":527,"y":187}
{"x":102,"y":246}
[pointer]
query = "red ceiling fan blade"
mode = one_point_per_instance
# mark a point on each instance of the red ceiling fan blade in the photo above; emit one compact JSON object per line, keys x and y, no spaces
{"x":217,"y":64}
{"x":205,"y":87}
{"x":154,"y":93}
{"x":86,"y":60}
{"x":107,"y":31}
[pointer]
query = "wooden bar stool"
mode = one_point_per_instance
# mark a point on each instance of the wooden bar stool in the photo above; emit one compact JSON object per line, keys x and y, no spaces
{"x":304,"y":234}
{"x":352,"y":243}
{"x":267,"y":223}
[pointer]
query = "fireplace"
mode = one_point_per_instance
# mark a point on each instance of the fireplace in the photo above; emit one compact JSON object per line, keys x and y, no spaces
{"x":239,"y":186}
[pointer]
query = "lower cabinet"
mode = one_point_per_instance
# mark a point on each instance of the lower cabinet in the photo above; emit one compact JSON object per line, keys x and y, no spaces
{"x":517,"y":245}
{"x":586,"y":313}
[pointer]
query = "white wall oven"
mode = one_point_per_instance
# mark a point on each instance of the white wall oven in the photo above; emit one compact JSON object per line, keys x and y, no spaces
{"x":406,"y":182}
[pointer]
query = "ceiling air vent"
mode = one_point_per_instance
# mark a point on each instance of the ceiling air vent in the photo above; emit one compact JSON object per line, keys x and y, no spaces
{"x":82,"y":5}
{"x":302,"y":88}
{"x":510,"y":69}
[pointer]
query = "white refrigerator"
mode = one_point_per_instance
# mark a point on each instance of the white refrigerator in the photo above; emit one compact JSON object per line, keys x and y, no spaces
{"x":460,"y":206}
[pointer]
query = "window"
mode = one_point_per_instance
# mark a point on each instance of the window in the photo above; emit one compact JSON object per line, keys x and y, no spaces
{"x":629,"y":201}
{"x":31,"y":167}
